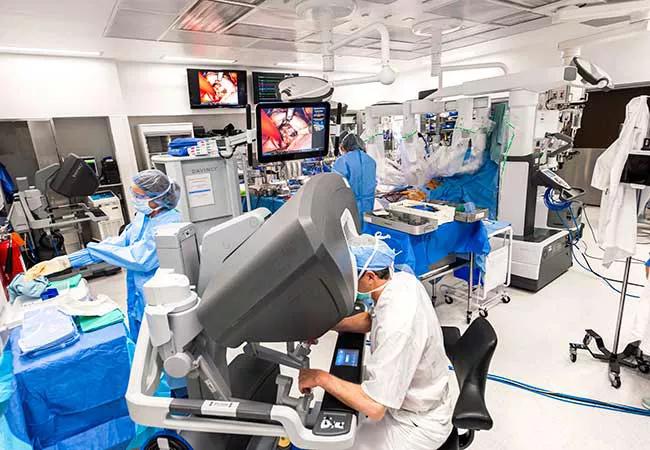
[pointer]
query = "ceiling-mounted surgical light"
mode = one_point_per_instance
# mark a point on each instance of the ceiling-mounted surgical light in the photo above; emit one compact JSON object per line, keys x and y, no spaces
{"x":50,"y":52}
{"x":185,"y":60}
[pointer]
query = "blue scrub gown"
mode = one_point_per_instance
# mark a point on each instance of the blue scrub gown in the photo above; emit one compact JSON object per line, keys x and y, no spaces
{"x":360,"y":170}
{"x":135,"y":251}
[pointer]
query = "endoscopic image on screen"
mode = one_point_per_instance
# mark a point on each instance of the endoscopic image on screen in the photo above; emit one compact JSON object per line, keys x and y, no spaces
{"x":289,"y":130}
{"x":218,"y":88}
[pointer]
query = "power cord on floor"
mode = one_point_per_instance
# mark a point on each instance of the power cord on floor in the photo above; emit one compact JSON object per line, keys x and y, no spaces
{"x":572,"y":399}
{"x":558,"y":205}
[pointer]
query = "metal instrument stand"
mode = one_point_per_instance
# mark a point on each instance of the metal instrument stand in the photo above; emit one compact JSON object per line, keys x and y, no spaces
{"x":631,"y":356}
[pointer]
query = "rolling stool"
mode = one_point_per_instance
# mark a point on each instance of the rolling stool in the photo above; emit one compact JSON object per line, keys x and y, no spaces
{"x":470,"y":355}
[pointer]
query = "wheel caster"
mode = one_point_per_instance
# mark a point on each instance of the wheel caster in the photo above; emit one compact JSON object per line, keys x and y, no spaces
{"x":644,"y":368}
{"x":587,"y":340}
{"x":483,"y":312}
{"x":448,"y":300}
{"x":469,"y":319}
{"x":615,"y":379}
{"x":573,"y":357}
{"x":505,"y":299}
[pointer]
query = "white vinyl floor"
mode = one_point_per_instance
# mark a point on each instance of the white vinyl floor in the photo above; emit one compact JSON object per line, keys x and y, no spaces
{"x":534,"y":332}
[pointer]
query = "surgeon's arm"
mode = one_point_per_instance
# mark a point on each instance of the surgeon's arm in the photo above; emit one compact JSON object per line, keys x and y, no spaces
{"x":358,"y":323}
{"x":349,"y":393}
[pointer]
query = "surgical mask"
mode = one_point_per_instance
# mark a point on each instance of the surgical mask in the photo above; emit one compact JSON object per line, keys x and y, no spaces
{"x":142,"y":206}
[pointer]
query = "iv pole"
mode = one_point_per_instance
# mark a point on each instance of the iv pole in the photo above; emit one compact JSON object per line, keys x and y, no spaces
{"x":631,"y":356}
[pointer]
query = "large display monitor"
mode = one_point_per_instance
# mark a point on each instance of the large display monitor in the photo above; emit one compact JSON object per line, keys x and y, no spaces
{"x":210,"y":88}
{"x":290,"y":131}
{"x":265,"y":86}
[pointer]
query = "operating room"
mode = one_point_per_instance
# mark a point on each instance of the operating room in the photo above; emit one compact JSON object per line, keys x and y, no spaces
{"x":299,"y":224}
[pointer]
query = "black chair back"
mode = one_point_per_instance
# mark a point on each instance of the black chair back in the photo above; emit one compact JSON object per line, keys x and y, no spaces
{"x":470,"y":355}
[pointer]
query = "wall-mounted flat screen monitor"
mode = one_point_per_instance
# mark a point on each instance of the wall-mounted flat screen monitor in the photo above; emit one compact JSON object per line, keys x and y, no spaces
{"x":210,"y":88}
{"x":265,"y":86}
{"x":290,"y":131}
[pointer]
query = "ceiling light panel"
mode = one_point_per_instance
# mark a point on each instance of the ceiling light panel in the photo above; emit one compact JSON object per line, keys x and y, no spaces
{"x":381,"y":2}
{"x":516,"y":19}
{"x":262,"y":32}
{"x":212,"y":16}
{"x":128,"y":24}
{"x":480,"y":11}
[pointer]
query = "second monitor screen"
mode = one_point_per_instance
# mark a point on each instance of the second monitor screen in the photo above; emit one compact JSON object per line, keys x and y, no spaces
{"x":292,"y":132}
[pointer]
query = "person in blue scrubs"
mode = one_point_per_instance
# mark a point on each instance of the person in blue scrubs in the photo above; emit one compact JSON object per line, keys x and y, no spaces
{"x":155,"y":197}
{"x":359,"y":169}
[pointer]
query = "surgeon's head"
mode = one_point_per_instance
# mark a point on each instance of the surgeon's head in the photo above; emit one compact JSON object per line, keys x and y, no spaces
{"x":375,"y":261}
{"x":154,"y":192}
{"x":351,"y":141}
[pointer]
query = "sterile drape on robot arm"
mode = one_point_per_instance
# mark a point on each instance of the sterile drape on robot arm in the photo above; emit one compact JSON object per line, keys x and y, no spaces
{"x":293,"y":279}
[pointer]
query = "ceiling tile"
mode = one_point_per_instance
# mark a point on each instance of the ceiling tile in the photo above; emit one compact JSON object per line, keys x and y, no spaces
{"x":157,"y":6}
{"x":404,"y":56}
{"x":274,"y":45}
{"x":396,"y":45}
{"x":262,"y":32}
{"x":468,"y":31}
{"x":517,"y":18}
{"x":480,"y":11}
{"x":402,"y":34}
{"x":212,"y":16}
{"x":464,"y":42}
{"x":193,"y":37}
{"x":129,"y":24}
{"x":354,"y":51}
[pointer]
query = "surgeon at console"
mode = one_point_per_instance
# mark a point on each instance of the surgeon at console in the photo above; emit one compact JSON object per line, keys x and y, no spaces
{"x":405,"y":394}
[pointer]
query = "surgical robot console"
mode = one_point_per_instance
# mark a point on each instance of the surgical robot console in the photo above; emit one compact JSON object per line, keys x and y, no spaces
{"x":286,"y":278}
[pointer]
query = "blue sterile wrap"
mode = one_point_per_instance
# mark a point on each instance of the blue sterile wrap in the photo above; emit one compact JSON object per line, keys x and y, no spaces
{"x":480,"y":188}
{"x":420,"y":252}
{"x":13,"y":434}
{"x":75,"y":390}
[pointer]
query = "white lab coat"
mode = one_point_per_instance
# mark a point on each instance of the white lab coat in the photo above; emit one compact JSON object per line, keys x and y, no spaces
{"x":407,"y":371}
{"x":618,"y":209}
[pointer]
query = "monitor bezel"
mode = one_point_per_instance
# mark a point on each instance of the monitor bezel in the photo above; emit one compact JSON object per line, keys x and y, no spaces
{"x":243,"y":75}
{"x":265,"y":159}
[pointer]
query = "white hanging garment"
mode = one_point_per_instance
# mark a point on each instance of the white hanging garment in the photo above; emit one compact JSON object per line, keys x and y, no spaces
{"x":617,"y":228}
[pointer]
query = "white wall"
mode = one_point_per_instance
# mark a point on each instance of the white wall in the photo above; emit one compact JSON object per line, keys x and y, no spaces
{"x":43,"y":87}
{"x":158,"y":90}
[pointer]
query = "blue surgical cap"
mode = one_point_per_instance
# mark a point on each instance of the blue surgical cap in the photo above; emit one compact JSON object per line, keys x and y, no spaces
{"x":351,"y":141}
{"x":158,"y":187}
{"x":363,"y":248}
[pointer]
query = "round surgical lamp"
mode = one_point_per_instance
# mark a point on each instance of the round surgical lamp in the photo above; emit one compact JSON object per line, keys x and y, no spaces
{"x":305,"y":89}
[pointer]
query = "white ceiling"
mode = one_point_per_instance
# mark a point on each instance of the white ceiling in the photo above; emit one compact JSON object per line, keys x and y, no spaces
{"x":257,"y":32}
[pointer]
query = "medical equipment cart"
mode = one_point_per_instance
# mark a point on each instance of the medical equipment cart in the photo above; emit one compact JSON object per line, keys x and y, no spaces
{"x":491,"y":287}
